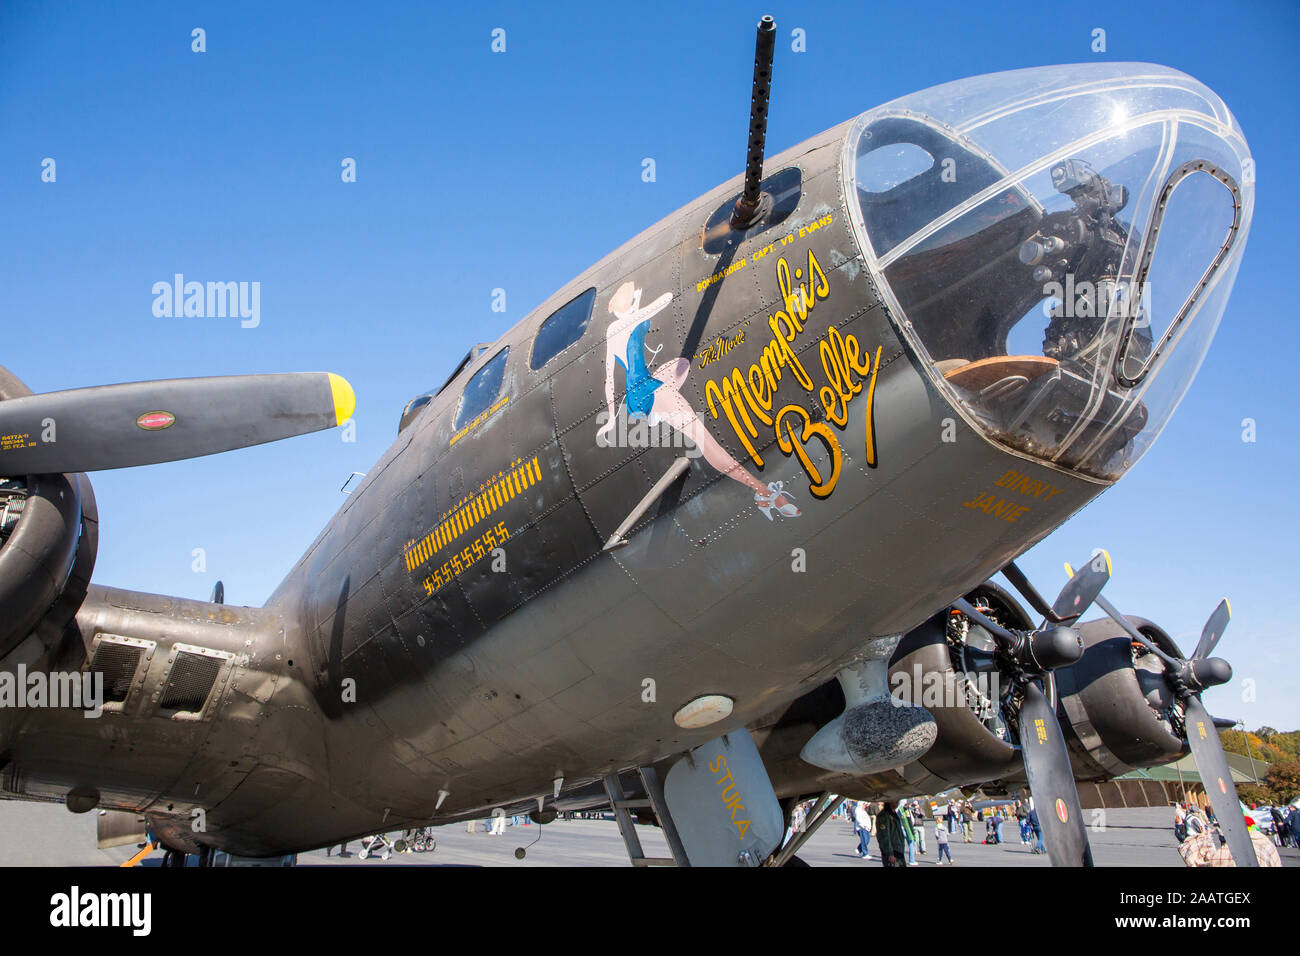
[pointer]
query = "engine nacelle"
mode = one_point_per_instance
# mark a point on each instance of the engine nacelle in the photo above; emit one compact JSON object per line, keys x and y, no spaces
{"x":971,"y":746}
{"x":1114,"y":706}
{"x":48,"y":540}
{"x":1116,"y":702}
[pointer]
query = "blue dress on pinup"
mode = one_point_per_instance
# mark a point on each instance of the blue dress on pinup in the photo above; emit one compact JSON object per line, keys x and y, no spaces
{"x":641,"y":384}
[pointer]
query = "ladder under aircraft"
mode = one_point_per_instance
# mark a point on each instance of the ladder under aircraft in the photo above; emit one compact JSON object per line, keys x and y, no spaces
{"x":654,"y":801}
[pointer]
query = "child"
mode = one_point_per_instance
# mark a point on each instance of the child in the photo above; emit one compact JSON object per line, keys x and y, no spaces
{"x":941,"y":839}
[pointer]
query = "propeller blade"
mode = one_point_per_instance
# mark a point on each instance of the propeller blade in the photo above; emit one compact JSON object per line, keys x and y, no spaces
{"x":1212,"y":765}
{"x":1083,"y":588}
{"x":1020,"y":581}
{"x":143,"y":423}
{"x":1213,"y":630}
{"x":1174,"y":664}
{"x":1051,"y":781}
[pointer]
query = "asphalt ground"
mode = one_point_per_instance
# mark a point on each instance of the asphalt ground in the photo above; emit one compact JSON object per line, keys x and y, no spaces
{"x":36,"y":834}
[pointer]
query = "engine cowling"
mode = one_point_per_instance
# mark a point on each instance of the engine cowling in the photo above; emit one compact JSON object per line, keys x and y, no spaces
{"x":48,"y":540}
{"x":972,"y":744}
{"x":1114,"y":706}
{"x":1116,"y":701}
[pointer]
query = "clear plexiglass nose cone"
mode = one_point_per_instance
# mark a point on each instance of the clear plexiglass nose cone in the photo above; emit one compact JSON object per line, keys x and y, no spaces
{"x":1059,"y":245}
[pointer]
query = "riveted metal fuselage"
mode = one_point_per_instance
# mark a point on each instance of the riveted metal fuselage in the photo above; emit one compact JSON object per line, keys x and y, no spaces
{"x":459,"y":626}
{"x":465,"y":630}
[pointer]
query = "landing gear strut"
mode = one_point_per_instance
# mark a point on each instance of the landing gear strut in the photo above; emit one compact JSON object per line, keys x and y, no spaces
{"x":822,"y":811}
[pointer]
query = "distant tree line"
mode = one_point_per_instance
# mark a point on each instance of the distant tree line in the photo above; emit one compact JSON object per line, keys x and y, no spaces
{"x":1281,"y":783}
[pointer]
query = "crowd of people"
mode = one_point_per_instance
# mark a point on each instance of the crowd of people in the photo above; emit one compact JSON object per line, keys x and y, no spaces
{"x":1201,"y":844}
{"x":1191,"y":820}
{"x":1286,"y":825}
{"x":899,"y":828}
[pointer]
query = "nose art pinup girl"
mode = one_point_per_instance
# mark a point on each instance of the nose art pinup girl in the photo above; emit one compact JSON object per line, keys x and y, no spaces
{"x":658,"y":397}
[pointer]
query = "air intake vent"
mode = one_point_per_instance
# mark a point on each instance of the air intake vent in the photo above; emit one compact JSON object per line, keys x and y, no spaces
{"x":190,"y":682}
{"x":118,"y":663}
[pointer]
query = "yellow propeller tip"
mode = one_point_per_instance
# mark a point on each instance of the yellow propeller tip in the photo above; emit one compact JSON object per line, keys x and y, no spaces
{"x":1069,"y":571}
{"x":1228,"y":605}
{"x":345,"y":400}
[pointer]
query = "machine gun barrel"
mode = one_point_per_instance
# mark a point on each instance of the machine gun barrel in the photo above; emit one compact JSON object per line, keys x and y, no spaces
{"x":764,"y":47}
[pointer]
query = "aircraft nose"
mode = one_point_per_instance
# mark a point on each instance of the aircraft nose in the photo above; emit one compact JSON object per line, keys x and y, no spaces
{"x":1058,"y":245}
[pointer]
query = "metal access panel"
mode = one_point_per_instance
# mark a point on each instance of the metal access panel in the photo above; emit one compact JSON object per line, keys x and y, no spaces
{"x":194,"y":679}
{"x":119,"y":659}
{"x":723,"y":804}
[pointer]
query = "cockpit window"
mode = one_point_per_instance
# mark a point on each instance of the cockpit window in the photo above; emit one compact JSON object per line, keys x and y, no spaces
{"x":885,"y":167}
{"x":482,"y":390}
{"x":909,"y":171}
{"x":562,"y":329}
{"x":412,"y":410}
{"x":1065,"y":259}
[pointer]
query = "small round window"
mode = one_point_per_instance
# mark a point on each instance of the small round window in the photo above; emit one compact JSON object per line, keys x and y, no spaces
{"x":887,"y":167}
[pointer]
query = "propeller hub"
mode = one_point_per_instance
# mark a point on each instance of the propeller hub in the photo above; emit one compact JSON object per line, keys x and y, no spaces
{"x":1211,"y":672}
{"x":1053,"y":647}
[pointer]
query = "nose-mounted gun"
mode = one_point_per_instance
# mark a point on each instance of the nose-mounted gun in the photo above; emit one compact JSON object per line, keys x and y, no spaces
{"x":1077,"y":256}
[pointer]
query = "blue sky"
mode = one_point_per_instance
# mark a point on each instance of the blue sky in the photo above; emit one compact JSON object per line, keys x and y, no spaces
{"x":478,"y":171}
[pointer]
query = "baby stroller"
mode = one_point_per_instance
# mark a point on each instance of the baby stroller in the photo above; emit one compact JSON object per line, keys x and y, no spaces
{"x":377,"y":845}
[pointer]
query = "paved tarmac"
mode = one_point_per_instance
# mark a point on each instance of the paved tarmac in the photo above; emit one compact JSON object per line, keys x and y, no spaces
{"x":34,"y":834}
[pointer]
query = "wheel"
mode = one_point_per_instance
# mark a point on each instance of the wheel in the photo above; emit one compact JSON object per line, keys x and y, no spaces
{"x":386,"y":854}
{"x":363,"y":854}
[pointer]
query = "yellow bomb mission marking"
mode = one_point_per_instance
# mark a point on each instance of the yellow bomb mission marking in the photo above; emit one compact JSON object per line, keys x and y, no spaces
{"x":751,"y":395}
{"x":730,"y":794}
{"x":475,"y":510}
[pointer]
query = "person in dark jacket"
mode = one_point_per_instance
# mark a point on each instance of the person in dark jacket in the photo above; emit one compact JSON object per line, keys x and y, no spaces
{"x":1280,"y":827}
{"x":889,"y":836}
{"x":1036,"y":829}
{"x":1022,"y":821}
